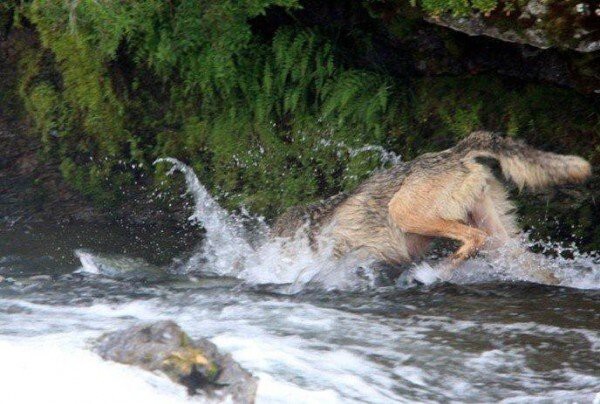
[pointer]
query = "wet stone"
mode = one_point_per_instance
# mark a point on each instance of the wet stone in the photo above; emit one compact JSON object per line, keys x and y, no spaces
{"x":12,"y":281}
{"x":196,"y":363}
{"x":40,"y":278}
{"x":15,"y":309}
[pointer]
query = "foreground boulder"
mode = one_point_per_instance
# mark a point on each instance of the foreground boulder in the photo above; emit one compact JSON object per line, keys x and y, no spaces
{"x":197,"y":364}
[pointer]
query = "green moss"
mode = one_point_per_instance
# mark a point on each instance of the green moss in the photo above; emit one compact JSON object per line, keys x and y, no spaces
{"x":544,"y":115}
{"x":86,"y":85}
{"x":7,"y":9}
{"x":458,"y":8}
{"x":212,"y":372}
{"x":43,"y":104}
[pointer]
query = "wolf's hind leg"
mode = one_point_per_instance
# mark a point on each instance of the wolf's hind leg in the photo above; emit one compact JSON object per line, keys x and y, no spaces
{"x":472,"y":238}
{"x":489,"y":218}
{"x":486,"y":217}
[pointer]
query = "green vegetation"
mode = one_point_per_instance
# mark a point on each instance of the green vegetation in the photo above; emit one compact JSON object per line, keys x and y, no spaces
{"x":458,"y":7}
{"x":267,"y":115}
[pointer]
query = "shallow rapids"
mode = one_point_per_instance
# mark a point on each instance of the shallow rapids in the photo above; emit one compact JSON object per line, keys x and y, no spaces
{"x":311,"y":329}
{"x":485,"y":342}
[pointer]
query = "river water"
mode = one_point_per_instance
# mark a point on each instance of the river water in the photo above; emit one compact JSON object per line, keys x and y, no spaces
{"x":311,"y":330}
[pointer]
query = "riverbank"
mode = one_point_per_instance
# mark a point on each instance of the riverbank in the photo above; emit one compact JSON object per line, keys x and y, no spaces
{"x":307,"y":104}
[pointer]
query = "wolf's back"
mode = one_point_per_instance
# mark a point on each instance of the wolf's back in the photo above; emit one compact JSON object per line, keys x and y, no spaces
{"x":312,"y":216}
{"x":525,"y":165}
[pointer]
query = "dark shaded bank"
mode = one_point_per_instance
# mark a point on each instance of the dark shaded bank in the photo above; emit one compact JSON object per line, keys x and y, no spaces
{"x":268,"y":102}
{"x":35,"y":200}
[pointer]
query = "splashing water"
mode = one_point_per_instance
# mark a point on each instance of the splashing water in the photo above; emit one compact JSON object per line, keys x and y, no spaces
{"x":225,"y":247}
{"x":514,"y":262}
{"x":385,"y":156}
{"x":227,"y":251}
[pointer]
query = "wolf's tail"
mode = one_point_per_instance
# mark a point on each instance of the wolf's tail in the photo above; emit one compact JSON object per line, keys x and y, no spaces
{"x":527,"y":166}
{"x":541,"y":169}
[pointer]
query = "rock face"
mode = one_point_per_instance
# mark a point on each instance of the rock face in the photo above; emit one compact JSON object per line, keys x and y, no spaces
{"x":197,"y":364}
{"x":555,"y":41}
{"x":565,"y":24}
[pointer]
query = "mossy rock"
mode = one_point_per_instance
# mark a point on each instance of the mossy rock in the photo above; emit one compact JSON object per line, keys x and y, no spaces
{"x":570,"y":24}
{"x":197,"y":364}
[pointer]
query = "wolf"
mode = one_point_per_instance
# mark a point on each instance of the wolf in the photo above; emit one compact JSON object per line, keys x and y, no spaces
{"x":459,"y":194}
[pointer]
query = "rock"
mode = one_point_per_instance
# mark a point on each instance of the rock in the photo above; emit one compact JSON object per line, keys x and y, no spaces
{"x":197,"y":364}
{"x":15,"y":309}
{"x":119,"y":266}
{"x":543,"y":24}
{"x":546,"y":41}
{"x":11,"y":281}
{"x":41,"y":278}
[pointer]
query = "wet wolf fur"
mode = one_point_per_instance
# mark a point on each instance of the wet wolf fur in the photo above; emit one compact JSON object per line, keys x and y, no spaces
{"x":456,"y":194}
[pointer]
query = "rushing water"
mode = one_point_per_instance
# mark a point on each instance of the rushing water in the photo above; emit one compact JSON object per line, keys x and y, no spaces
{"x":311,"y":329}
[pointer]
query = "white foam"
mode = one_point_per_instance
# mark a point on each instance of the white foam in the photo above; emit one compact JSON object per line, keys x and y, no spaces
{"x":275,"y":391}
{"x":308,"y":371}
{"x":301,"y":352}
{"x":426,"y":274}
{"x":55,"y":370}
{"x":412,"y":374}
